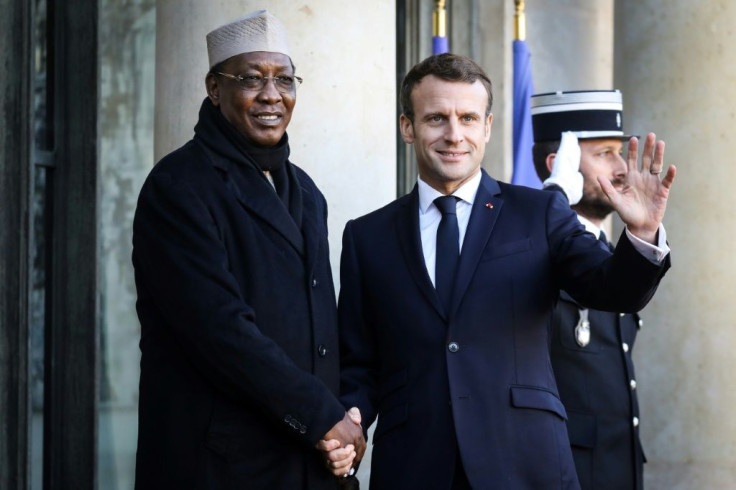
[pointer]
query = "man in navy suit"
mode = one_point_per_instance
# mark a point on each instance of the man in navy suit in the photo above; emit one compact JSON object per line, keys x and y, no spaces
{"x":444,"y":314}
{"x":591,"y":350}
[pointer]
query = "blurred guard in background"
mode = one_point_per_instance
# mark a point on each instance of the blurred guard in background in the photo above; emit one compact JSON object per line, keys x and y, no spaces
{"x":591,"y":349}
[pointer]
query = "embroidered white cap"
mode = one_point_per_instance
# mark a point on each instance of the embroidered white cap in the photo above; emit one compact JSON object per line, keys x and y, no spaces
{"x":256,"y":31}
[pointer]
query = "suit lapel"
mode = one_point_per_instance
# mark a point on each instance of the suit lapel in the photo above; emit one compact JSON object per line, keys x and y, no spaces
{"x":486,"y":208}
{"x":407,"y":229}
{"x":257,"y":196}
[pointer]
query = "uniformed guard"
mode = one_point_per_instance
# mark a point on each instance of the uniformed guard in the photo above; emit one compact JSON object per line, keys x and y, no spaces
{"x":579,"y":137}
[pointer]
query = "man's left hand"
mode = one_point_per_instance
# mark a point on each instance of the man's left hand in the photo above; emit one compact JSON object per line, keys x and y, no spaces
{"x":339,"y":459}
{"x":642,"y":201}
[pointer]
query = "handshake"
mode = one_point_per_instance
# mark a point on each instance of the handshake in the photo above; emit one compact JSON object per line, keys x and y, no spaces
{"x":344,"y":444}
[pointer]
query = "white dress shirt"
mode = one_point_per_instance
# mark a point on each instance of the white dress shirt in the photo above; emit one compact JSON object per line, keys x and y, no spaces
{"x":430,"y":216}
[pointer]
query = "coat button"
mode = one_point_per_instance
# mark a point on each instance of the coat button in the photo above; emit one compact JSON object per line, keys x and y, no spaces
{"x":635,"y":421}
{"x":315,"y":283}
{"x":625,"y":347}
{"x":322,"y":350}
{"x":632,"y":383}
{"x":453,"y":347}
{"x":641,"y":323}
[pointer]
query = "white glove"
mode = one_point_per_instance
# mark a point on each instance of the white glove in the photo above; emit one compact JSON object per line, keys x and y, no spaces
{"x":565,"y":168}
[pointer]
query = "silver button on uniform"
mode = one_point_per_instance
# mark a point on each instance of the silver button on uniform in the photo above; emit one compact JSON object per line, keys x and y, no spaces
{"x":453,"y":347}
{"x":625,"y":347}
{"x":636,"y":421}
{"x":632,"y":383}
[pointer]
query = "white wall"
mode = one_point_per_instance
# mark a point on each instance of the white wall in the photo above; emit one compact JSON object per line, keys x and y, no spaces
{"x":676,"y":62}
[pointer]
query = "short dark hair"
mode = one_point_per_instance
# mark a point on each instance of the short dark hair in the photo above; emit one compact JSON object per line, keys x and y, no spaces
{"x":449,"y":67}
{"x":540,"y":151}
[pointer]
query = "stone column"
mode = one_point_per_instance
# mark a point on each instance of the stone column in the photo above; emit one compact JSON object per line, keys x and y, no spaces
{"x":676,"y":64}
{"x":571,"y":43}
{"x":343,"y":132}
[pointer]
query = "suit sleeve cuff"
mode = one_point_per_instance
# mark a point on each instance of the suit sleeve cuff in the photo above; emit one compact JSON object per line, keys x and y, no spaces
{"x":654,"y":253}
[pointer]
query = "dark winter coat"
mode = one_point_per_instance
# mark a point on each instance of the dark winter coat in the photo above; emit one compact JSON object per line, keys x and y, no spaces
{"x":239,"y":367}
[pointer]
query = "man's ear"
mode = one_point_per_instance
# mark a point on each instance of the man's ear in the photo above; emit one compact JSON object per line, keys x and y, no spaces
{"x":407,"y":129}
{"x":550,"y":161}
{"x":489,"y":122}
{"x":213,"y":89}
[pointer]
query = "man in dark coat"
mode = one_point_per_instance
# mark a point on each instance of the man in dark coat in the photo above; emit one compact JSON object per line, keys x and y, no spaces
{"x":239,"y":368}
{"x":591,"y":349}
{"x":447,"y":294}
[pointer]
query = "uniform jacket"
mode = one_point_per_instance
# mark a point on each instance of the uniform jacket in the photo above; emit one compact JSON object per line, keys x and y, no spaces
{"x":597,"y":385}
{"x":239,"y":366}
{"x":474,"y":382}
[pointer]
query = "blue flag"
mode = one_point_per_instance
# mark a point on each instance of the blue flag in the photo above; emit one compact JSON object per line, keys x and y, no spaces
{"x":524,"y":173}
{"x":440,"y":45}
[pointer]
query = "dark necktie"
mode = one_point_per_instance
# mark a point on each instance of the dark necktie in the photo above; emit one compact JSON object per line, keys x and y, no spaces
{"x":604,"y":241}
{"x":448,"y":249}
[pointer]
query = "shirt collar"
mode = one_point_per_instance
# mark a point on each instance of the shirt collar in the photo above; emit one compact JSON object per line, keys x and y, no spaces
{"x":589,"y":226}
{"x":465,"y":192}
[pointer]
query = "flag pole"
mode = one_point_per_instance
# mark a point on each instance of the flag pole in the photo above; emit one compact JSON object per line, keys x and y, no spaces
{"x":523,"y":138}
{"x":439,"y":28}
{"x":519,"y":21}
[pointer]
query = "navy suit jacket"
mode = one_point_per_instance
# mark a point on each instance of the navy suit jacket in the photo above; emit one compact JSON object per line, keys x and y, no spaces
{"x":474,"y":382}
